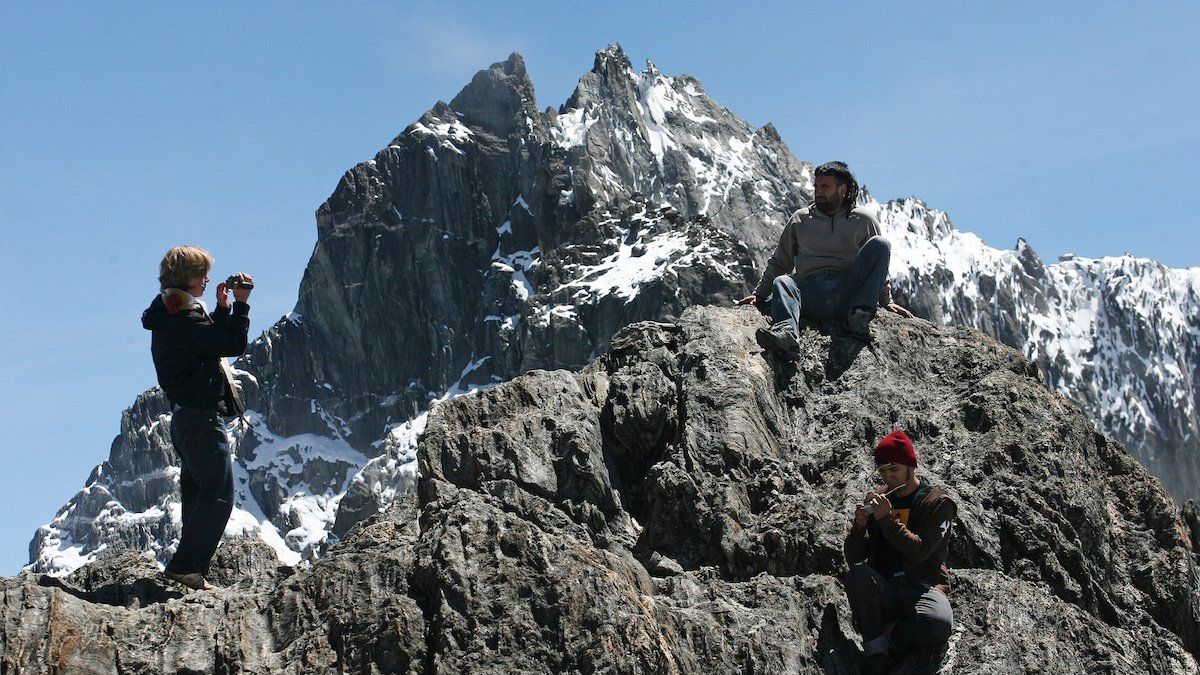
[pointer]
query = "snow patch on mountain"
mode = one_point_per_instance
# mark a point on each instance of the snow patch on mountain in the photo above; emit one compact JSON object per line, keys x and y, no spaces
{"x":647,"y":248}
{"x":518,"y":264}
{"x":449,"y":135}
{"x":570,"y":128}
{"x":60,"y":554}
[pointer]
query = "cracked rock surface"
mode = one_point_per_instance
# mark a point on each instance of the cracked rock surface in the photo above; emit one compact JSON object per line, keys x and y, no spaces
{"x":678,"y":506}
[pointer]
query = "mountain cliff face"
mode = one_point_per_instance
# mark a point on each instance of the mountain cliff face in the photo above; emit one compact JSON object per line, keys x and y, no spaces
{"x":678,"y":506}
{"x":490,"y":238}
{"x":1119,"y":335}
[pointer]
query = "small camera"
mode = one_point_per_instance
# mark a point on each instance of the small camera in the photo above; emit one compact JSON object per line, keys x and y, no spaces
{"x":234,"y":282}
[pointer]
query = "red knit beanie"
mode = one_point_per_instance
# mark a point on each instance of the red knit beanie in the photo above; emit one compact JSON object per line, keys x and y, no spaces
{"x":896,"y":448}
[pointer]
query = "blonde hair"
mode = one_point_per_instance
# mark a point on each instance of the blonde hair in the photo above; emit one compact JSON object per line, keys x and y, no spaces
{"x":182,"y":264}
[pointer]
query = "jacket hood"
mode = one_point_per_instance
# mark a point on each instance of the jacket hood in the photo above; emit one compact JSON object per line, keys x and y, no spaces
{"x":164,"y":305}
{"x":155,"y":315}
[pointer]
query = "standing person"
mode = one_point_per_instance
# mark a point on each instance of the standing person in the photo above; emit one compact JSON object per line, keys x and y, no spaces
{"x":188,"y":346}
{"x":831,"y":262}
{"x":897,"y":550}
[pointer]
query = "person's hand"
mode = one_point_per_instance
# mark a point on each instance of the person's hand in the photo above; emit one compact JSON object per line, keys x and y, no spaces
{"x":863,"y":511}
{"x":222,"y":295}
{"x":881,"y":506}
{"x":749,"y":299}
{"x":897,"y":309}
{"x":861,"y":514}
{"x":242,"y":294}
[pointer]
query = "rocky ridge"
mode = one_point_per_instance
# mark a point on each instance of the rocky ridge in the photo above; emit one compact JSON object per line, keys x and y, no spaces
{"x":490,"y":238}
{"x":678,"y":506}
{"x":1119,"y":335}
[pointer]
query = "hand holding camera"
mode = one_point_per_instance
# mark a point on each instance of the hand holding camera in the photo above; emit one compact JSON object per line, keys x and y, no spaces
{"x":876,"y":503}
{"x":862,"y":513}
{"x":240,"y":284}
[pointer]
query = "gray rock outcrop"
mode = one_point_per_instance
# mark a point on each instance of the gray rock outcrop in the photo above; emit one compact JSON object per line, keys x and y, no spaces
{"x":491,"y":238}
{"x":678,"y":506}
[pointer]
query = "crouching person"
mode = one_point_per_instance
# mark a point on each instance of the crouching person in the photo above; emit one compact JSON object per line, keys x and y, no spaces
{"x":188,"y":346}
{"x":897,"y":550}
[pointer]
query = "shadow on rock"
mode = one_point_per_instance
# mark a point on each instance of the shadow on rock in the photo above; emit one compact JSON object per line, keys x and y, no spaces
{"x":140,"y":593}
{"x":132,"y":579}
{"x":125,"y":578}
{"x":843,"y":350}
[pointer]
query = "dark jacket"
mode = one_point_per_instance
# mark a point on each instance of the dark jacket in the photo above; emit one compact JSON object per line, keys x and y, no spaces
{"x":187,"y":345}
{"x":923,"y":544}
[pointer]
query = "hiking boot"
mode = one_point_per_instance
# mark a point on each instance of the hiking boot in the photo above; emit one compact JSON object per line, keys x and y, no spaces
{"x":781,"y":339}
{"x":193,"y":580}
{"x":859,"y":322}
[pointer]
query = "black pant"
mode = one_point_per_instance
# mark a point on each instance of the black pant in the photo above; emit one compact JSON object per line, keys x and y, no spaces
{"x":205,"y":484}
{"x":922,"y":613}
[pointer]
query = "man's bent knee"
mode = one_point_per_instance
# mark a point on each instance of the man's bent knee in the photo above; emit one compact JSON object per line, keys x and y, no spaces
{"x":941,"y":628}
{"x":878,"y":243}
{"x":936,"y":616}
{"x":940,"y":623}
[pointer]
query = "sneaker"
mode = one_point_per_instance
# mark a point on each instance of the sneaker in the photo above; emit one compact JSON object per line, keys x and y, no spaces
{"x":193,"y":580}
{"x":781,"y":339}
{"x":859,"y":322}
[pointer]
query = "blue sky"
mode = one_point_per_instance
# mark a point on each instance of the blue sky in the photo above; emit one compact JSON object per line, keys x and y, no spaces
{"x":127,"y":129}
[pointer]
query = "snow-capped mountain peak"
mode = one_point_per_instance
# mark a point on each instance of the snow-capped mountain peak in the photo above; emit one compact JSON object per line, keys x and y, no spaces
{"x":489,"y":239}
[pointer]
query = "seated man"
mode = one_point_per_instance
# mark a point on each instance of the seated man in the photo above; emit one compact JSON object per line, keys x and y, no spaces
{"x":831,"y":262}
{"x":903,"y":540}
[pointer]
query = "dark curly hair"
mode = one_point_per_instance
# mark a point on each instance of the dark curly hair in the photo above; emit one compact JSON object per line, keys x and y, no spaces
{"x":841,"y":174}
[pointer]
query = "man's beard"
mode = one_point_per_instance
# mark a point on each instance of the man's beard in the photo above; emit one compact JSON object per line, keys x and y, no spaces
{"x":826,"y":205}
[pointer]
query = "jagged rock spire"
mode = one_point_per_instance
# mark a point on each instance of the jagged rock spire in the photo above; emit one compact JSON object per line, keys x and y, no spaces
{"x":499,"y":98}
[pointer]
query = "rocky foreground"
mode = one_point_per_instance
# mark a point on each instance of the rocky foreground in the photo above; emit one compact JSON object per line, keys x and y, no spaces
{"x":678,"y":506}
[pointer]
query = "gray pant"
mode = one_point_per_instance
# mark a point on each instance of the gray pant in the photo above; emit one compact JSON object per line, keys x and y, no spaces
{"x":833,"y":293}
{"x":922,"y":613}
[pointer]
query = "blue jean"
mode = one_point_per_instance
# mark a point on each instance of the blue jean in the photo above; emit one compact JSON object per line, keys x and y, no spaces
{"x":832,"y":294}
{"x":206,"y":486}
